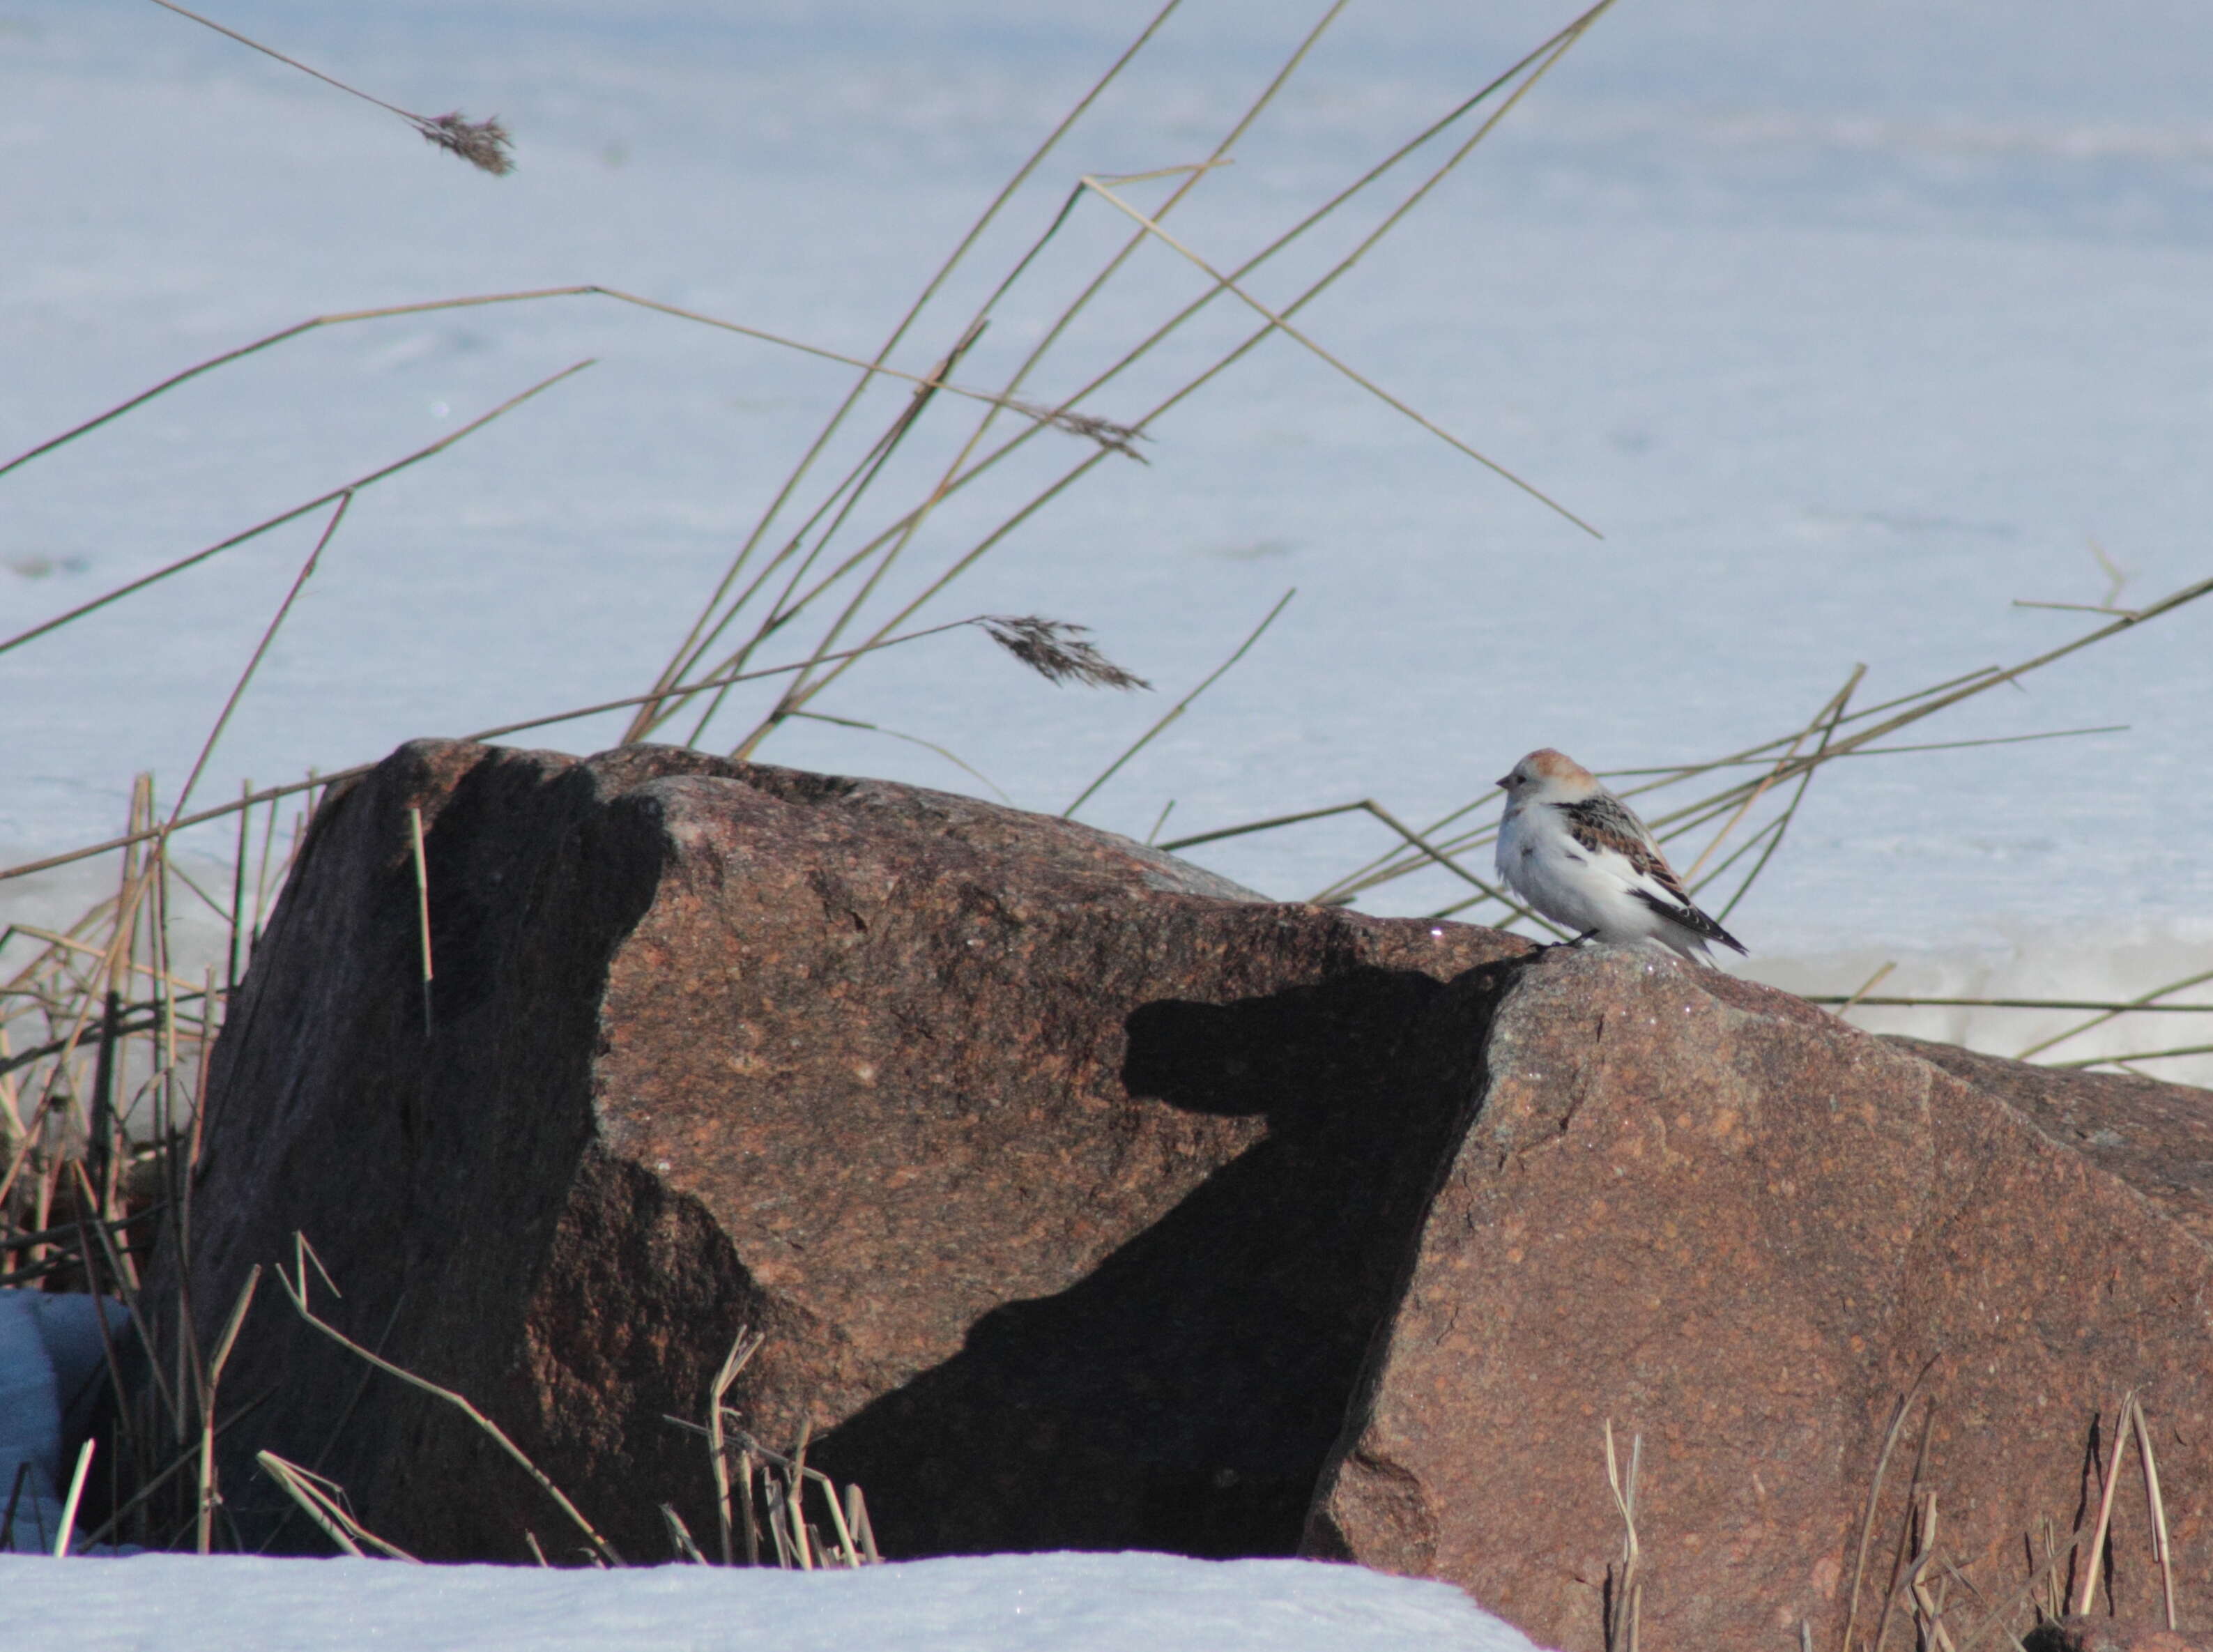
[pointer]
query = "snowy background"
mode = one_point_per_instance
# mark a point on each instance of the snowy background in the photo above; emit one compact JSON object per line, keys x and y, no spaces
{"x":1847,"y":323}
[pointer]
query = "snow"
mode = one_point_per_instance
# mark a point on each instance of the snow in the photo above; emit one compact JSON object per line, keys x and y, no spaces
{"x":51,"y":1354}
{"x":999,"y":1603}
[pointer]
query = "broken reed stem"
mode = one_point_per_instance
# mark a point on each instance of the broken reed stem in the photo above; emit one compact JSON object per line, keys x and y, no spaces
{"x":367,"y":480}
{"x":422,"y":909}
{"x":680,"y":1536}
{"x":743,"y":1347}
{"x":297,"y":1292}
{"x":1178,"y":708}
{"x":484,"y":144}
{"x":318,"y":1499}
{"x":222,"y":1356}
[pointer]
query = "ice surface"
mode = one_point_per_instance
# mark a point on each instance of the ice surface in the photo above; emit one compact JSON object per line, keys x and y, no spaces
{"x":1847,"y":324}
{"x":1001,"y":1603}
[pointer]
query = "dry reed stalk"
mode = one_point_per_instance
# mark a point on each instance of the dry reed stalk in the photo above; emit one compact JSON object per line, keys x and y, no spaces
{"x":2155,"y":1506}
{"x":743,"y":1347}
{"x":897,"y":535}
{"x":2145,"y":1001}
{"x":752,"y":1523}
{"x":1864,"y":740}
{"x":253,"y":661}
{"x":1899,"y":1582}
{"x":422,"y":909}
{"x":947,"y":752}
{"x":272,"y":794}
{"x":1834,"y":709}
{"x":1181,"y":705}
{"x":2088,"y":1591}
{"x":1874,"y":1496}
{"x":896,"y":540}
{"x":1782,"y":823}
{"x":367,"y":480}
{"x":2044,"y":1575}
{"x":1625,"y":1607}
{"x":297,"y":1292}
{"x":319,"y":1500}
{"x":856,"y":1521}
{"x":680,"y":1536}
{"x":682,"y":661}
{"x":772,"y":1493}
{"x":1282,"y":324}
{"x":1929,"y":1610}
{"x":70,"y":1505}
{"x":1865,"y":987}
{"x":221,"y":1358}
{"x":484,"y":144}
{"x":1931,"y":1003}
{"x":2132,"y":1056}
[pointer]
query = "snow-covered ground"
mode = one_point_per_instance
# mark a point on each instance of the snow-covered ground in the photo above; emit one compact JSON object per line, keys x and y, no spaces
{"x":997,"y":1603}
{"x":1849,"y":324}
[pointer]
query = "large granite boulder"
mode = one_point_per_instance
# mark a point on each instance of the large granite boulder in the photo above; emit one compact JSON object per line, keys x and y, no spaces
{"x":1738,"y":1227}
{"x":1067,"y":1181}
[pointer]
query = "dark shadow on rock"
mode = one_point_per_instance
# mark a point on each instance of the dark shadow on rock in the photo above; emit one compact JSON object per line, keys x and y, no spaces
{"x":1184,"y":1396}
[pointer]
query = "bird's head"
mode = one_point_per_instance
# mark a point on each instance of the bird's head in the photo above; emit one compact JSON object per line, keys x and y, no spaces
{"x":1547,"y":776}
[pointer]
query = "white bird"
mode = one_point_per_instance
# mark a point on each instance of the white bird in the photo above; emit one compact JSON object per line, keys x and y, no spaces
{"x":1580,"y":856}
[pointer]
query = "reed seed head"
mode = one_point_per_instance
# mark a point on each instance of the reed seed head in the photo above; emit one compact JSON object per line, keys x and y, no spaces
{"x":1057,"y":651}
{"x":484,"y":144}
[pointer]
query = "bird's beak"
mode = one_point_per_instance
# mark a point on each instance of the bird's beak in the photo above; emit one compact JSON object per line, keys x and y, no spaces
{"x":1505,"y":783}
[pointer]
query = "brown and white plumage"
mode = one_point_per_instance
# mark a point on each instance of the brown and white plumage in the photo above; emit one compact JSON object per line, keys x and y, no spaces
{"x":1580,"y":856}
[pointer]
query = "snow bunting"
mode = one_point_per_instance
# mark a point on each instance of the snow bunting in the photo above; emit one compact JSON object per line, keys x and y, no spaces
{"x":1580,"y":856}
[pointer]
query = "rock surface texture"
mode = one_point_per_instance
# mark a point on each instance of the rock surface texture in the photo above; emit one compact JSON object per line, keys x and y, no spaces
{"x":1066,"y":1181}
{"x":1740,"y":1229}
{"x":1088,"y":1201}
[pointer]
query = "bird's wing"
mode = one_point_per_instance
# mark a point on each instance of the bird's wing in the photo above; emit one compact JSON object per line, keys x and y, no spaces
{"x":1605,"y":824}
